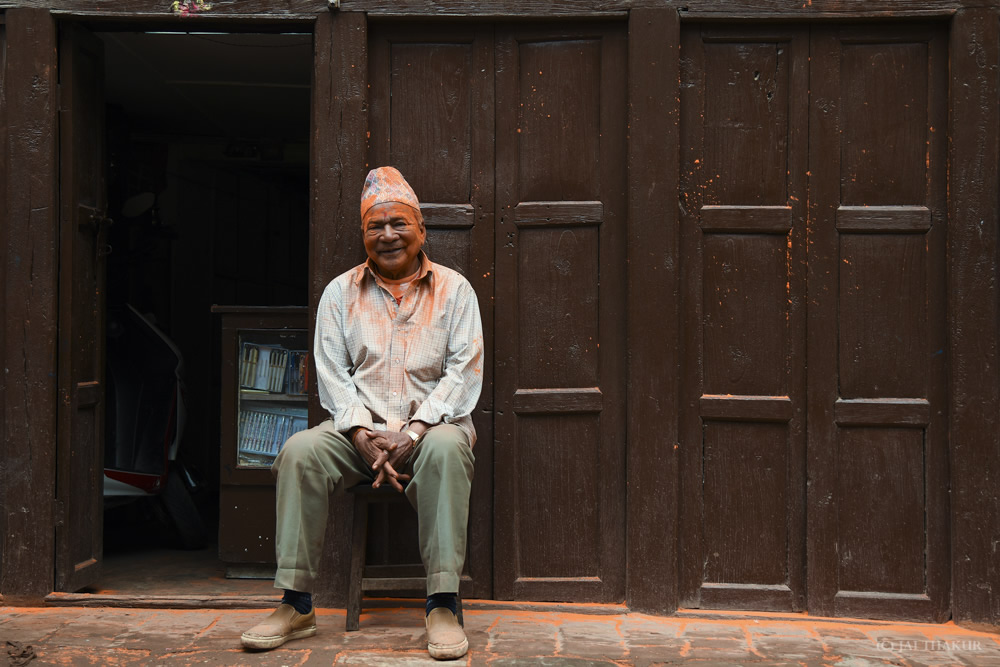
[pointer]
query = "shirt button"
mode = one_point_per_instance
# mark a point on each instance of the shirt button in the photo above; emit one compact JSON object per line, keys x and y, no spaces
{"x":396,"y":361}
{"x":393,"y":393}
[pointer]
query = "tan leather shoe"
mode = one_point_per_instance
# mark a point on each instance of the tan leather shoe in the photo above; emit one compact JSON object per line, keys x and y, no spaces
{"x":445,"y":637}
{"x":283,"y":624}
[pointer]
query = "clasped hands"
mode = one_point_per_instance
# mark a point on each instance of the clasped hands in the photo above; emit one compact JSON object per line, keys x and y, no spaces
{"x":385,"y":451}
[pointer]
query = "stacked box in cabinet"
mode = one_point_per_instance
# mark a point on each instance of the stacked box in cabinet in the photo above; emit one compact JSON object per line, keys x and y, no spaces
{"x":265,"y":384}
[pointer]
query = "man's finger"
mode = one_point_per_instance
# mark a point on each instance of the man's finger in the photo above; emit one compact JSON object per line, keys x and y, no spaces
{"x":380,"y":459}
{"x":393,"y":476}
{"x":379,"y":479}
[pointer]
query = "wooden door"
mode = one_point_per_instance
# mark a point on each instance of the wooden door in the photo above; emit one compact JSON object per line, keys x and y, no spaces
{"x":742,"y":420}
{"x":559,"y":313}
{"x":813,"y":439}
{"x":82,"y":249}
{"x":432,"y":117}
{"x":878,"y":499}
{"x":549,"y":488}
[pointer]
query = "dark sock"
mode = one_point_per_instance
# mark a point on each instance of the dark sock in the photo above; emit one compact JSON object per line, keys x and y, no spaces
{"x":448,"y":600}
{"x":302,"y":602}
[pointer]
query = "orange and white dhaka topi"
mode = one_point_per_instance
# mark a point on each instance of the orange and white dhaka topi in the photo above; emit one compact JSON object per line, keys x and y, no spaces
{"x":386,"y":184}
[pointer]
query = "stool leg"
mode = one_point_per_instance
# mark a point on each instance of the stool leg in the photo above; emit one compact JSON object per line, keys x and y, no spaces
{"x":461,"y":619}
{"x":359,"y":543}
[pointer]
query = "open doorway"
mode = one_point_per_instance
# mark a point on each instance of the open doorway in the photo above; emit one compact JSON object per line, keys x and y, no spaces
{"x":208,"y":143}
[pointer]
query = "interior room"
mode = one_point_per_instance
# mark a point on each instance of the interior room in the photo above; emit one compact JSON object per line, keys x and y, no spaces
{"x":207,"y":139}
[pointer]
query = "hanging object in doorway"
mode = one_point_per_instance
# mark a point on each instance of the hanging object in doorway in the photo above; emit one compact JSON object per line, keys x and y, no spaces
{"x":189,"y":7}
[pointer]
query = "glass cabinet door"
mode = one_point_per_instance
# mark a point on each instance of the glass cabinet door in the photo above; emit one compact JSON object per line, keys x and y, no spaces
{"x":273,"y":384}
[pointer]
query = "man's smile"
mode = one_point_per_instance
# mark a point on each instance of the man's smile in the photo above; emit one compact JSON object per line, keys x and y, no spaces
{"x":393,"y":234}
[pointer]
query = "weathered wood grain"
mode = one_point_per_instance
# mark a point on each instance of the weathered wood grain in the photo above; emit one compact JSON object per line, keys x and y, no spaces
{"x":4,"y":170}
{"x":747,"y":219}
{"x":686,"y":9}
{"x":872,"y":412}
{"x":559,"y":473}
{"x":540,"y":401}
{"x":744,"y":92}
{"x":744,"y":9}
{"x":307,"y":10}
{"x":653,"y":304}
{"x":821,"y":582}
{"x":974,"y":407}
{"x":295,"y":10}
{"x":881,"y":219}
{"x":746,"y":408}
{"x":163,"y":601}
{"x":27,"y":459}
{"x":877,"y":324}
{"x":82,"y":312}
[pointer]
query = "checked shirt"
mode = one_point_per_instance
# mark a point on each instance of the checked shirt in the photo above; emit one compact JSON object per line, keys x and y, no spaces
{"x":381,"y":365}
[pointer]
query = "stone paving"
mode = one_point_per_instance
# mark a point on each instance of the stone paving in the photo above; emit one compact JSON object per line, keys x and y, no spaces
{"x":564,"y":637}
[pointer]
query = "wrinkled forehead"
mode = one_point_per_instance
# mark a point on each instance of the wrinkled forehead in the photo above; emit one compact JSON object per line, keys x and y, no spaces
{"x":388,"y":211}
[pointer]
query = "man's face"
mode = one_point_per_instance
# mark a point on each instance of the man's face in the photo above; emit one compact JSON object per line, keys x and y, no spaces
{"x":394,"y":234}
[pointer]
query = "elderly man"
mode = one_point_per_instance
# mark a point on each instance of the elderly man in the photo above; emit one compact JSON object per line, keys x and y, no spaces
{"x":399,"y":361}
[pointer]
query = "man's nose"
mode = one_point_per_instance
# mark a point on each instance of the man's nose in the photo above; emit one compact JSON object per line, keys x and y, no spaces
{"x":389,"y":232}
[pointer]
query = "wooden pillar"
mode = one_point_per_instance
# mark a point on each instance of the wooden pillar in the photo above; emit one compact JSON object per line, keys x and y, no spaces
{"x":28,"y":216}
{"x":338,"y":164}
{"x":973,"y":314}
{"x":4,"y":171}
{"x":653,"y":338}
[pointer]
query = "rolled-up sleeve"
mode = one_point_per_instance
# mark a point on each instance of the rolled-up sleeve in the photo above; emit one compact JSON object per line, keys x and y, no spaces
{"x":457,"y":392}
{"x":337,"y":392}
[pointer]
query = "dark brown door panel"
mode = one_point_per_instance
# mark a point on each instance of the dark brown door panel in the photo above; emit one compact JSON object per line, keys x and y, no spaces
{"x":742,"y":422}
{"x":560,"y":260}
{"x":813,"y":208}
{"x":82,"y":249}
{"x":878,"y":500}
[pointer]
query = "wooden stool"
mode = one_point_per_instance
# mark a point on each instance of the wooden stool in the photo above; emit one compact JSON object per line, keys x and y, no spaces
{"x":364,"y":496}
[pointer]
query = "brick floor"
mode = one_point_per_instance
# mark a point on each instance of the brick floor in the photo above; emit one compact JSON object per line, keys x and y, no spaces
{"x":498,"y":637}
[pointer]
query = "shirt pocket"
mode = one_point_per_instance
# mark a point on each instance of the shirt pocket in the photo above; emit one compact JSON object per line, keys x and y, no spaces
{"x":426,"y":351}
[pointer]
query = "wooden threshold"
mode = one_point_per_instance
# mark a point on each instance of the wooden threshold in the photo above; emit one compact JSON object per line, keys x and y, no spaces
{"x":162,"y":601}
{"x":271,"y":601}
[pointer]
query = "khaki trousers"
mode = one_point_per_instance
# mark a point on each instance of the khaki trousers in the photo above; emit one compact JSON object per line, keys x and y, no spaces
{"x":320,"y":462}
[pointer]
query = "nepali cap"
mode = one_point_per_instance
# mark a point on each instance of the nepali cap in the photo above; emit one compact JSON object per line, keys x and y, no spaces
{"x":386,"y":184}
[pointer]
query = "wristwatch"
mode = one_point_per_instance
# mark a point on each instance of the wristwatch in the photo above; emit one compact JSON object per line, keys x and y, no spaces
{"x":414,"y":436}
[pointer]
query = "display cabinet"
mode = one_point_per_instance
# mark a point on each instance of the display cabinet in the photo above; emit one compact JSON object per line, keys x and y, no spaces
{"x":264,"y":385}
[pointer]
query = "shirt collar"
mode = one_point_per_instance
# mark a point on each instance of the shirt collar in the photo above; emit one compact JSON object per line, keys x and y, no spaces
{"x":426,"y":268}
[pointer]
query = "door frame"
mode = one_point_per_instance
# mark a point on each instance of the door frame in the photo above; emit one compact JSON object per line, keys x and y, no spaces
{"x":28,"y":228}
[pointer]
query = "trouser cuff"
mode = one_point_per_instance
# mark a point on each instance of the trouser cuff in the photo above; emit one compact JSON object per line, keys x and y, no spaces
{"x":294,"y":579}
{"x":442,"y":582}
